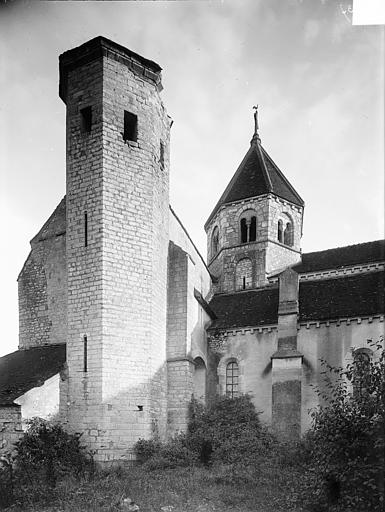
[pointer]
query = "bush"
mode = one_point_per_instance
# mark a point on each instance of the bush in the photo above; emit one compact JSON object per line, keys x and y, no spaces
{"x":6,"y":481}
{"x":231,"y":428}
{"x":46,"y":451}
{"x":226,"y":431}
{"x":346,"y":441}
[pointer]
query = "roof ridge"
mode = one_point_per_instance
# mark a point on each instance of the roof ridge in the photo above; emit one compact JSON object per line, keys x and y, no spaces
{"x":283,"y":177}
{"x":228,"y":188}
{"x":265,"y":172}
{"x":346,"y":246}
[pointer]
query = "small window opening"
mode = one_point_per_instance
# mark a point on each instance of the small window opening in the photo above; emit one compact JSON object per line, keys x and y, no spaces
{"x":161,"y":154}
{"x":85,"y":354}
{"x":243,"y":231}
{"x":232,"y":374}
{"x":288,"y":234}
{"x":140,"y":407}
{"x":280,"y":231}
{"x":130,"y":126}
{"x":85,"y":229}
{"x":215,"y":241}
{"x":86,"y":119}
{"x":253,"y":229}
{"x":244,"y":283}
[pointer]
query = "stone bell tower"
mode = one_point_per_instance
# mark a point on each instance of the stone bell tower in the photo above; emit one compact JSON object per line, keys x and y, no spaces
{"x":117,"y":242}
{"x":255,"y":228}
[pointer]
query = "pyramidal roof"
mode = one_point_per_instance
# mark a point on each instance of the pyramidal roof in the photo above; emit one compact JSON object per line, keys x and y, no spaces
{"x":257,"y":175}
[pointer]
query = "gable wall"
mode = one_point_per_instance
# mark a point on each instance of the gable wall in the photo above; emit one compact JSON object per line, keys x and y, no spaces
{"x":42,"y":286}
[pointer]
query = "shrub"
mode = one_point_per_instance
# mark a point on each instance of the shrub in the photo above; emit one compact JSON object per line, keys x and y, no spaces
{"x":157,"y":455}
{"x":226,"y":431}
{"x":346,"y":441}
{"x":46,"y":451}
{"x":6,"y":481}
{"x":230,"y":427}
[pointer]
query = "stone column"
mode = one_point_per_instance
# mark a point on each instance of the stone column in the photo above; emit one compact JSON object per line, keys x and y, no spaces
{"x":287,"y":362}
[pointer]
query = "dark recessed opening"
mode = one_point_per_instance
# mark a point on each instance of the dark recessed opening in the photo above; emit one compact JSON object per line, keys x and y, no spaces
{"x":86,"y":119}
{"x":85,"y":354}
{"x":243,"y":231}
{"x":140,"y":407}
{"x":253,"y":229}
{"x":130,"y":126}
{"x":85,"y":229}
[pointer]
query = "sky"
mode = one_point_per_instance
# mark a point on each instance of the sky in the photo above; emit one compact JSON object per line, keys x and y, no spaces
{"x":318,"y":80}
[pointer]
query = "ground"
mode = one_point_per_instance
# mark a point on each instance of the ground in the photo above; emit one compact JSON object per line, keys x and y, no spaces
{"x":192,"y":489}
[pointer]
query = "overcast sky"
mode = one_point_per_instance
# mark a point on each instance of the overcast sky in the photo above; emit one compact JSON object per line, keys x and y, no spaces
{"x":318,"y":80}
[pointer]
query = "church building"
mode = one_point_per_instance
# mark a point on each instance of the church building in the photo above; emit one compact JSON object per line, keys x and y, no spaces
{"x":122,"y":320}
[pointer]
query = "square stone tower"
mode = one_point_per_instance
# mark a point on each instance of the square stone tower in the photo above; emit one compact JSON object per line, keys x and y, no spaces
{"x":117,"y":243}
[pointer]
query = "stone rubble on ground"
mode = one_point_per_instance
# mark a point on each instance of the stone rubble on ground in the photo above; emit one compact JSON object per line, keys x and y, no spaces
{"x":129,"y":505}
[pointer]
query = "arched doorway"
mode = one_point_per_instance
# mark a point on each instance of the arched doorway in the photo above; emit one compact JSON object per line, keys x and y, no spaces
{"x":200,"y":380}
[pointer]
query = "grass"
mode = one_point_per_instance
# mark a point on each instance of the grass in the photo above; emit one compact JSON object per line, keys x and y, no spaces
{"x":192,"y":489}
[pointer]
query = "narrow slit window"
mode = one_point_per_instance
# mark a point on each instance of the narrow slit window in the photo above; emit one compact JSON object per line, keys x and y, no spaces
{"x":85,"y":354}
{"x":86,"y":119}
{"x":244,"y":282}
{"x":130,"y":132}
{"x":85,"y":229}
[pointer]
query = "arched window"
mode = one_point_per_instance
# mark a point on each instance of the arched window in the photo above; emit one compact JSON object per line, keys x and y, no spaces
{"x":199,"y":380}
{"x":280,"y":231}
{"x":232,"y":376}
{"x":248,"y":227}
{"x":285,"y":231}
{"x":361,"y":369}
{"x":215,"y":242}
{"x":253,"y":229}
{"x":244,"y":274}
{"x":288,"y":234}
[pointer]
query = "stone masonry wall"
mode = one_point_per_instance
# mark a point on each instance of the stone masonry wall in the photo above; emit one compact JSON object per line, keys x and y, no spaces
{"x":186,"y":322}
{"x":266,"y":253}
{"x":117,"y":284}
{"x":42,"y":285}
{"x":10,"y":427}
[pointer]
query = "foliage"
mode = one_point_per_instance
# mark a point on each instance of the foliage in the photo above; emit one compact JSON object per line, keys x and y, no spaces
{"x":226,"y":431}
{"x":346,"y":441}
{"x":157,"y":455}
{"x":6,"y":481}
{"x":230,"y":427}
{"x":46,"y":451}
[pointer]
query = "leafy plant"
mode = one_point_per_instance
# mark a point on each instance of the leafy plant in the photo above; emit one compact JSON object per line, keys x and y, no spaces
{"x":46,"y":451}
{"x":347,"y":439}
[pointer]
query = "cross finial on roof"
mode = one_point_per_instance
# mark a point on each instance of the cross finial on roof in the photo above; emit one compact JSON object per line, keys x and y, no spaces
{"x":256,"y":126}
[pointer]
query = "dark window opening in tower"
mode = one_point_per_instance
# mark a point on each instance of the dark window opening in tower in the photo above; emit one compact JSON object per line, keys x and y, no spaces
{"x":243,"y":231}
{"x":232,"y":374}
{"x":288,"y":234}
{"x":280,"y":231}
{"x":130,"y":127}
{"x":85,"y":354}
{"x":85,"y":229}
{"x":253,"y":229}
{"x":161,"y":154}
{"x":86,"y":119}
{"x":215,"y":242}
{"x":244,"y":282}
